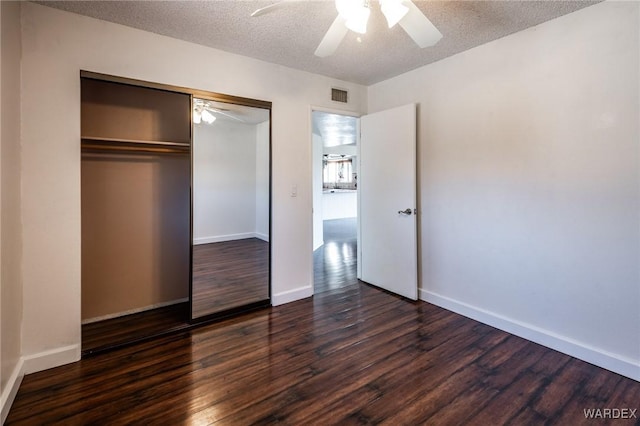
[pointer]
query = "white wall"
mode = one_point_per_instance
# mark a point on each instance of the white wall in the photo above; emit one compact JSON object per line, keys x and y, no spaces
{"x":262,"y":181}
{"x":10,"y":222}
{"x":339,"y":205}
{"x":56,"y":45}
{"x":224,"y":181}
{"x":316,"y":170}
{"x":529,"y":182}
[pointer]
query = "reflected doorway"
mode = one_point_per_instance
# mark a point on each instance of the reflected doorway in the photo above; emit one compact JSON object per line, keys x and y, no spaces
{"x":335,"y":200}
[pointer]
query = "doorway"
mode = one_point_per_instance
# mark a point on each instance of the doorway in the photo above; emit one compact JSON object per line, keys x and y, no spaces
{"x":335,"y":199}
{"x":384,"y":253}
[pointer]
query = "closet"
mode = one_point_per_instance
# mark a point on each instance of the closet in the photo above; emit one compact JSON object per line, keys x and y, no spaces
{"x":140,"y":175}
{"x":175,"y":208}
{"x":135,"y":184}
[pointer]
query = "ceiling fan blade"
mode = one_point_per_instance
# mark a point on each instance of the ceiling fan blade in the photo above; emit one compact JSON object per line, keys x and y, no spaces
{"x":266,"y":9}
{"x":419,"y":27}
{"x":332,"y":38}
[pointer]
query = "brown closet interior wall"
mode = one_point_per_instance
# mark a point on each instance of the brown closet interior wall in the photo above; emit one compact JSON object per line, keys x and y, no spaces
{"x":120,"y":111}
{"x":135,"y":205}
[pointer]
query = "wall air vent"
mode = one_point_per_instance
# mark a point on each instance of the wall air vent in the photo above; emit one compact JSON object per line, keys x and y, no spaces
{"x":339,"y":95}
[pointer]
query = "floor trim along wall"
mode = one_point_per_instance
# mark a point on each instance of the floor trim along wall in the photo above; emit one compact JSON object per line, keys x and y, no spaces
{"x":291,"y":295}
{"x":11,"y":390}
{"x":51,"y":358}
{"x":223,"y":238}
{"x":543,"y":337}
{"x":134,"y":311}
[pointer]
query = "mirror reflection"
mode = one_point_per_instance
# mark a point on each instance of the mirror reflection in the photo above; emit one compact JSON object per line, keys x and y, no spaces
{"x":230,"y":166}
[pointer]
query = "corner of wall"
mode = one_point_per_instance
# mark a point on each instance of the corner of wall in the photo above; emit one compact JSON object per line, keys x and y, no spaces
{"x":11,"y":390}
{"x":51,"y":358}
{"x":11,"y":286}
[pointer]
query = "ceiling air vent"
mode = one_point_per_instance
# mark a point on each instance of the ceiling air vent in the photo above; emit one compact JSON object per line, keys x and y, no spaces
{"x":339,"y":95}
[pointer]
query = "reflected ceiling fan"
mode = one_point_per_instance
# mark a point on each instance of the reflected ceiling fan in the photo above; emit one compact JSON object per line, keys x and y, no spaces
{"x":204,"y":110}
{"x":354,"y":14}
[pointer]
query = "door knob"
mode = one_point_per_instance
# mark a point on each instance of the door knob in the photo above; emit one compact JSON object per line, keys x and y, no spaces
{"x":406,"y":211}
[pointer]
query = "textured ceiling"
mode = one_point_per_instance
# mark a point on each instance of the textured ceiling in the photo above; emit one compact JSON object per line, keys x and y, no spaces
{"x":288,"y":35}
{"x":335,"y":129}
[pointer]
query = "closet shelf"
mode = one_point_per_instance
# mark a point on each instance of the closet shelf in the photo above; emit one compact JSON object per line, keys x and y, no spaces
{"x":131,"y":141}
{"x":90,"y":143}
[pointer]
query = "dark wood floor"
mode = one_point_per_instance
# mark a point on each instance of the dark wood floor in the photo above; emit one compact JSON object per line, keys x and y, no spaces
{"x":226,"y":275}
{"x":229,"y":274}
{"x":106,"y":334}
{"x":334,"y":263}
{"x":349,"y":355}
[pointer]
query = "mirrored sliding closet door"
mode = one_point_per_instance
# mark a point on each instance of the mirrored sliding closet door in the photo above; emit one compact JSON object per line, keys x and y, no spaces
{"x":230,"y":167}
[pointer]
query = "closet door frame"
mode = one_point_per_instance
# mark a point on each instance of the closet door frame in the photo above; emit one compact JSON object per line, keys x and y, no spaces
{"x":219,"y":97}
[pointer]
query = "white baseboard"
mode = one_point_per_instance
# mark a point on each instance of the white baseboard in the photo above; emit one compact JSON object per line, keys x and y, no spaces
{"x":32,"y":364}
{"x":609,"y":361}
{"x":51,"y":358}
{"x":223,"y":238}
{"x":261,"y":236}
{"x":134,"y":311}
{"x":11,"y":390}
{"x":291,"y":295}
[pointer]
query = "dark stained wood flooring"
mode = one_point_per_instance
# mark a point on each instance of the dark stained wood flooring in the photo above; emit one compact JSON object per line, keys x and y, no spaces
{"x":334,"y":263}
{"x":355,"y":355}
{"x":106,"y":334}
{"x":350,"y":355}
{"x":226,"y":275}
{"x":229,"y":274}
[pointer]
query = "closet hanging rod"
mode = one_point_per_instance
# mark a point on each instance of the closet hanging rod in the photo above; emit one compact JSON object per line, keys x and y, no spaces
{"x":117,"y":141}
{"x":88,"y":146}
{"x":131,"y":150}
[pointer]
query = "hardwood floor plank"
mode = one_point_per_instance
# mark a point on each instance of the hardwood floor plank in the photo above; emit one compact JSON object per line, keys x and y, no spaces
{"x":437,"y":363}
{"x":527,"y":416}
{"x":570,"y":379}
{"x":401,"y":386}
{"x":323,"y":369}
{"x":550,"y":363}
{"x":463,"y":408}
{"x":519,"y":362}
{"x":509,"y":401}
{"x":501,"y":353}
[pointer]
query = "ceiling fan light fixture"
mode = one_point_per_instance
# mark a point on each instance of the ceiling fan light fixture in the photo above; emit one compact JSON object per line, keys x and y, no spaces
{"x":393,"y":10}
{"x":358,"y":22}
{"x":207,"y":117}
{"x":355,"y":14}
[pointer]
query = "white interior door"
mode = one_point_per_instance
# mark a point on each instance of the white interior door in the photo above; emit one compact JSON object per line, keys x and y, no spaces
{"x":387,"y":189}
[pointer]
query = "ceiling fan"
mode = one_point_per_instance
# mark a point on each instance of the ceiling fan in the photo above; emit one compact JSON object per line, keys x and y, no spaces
{"x":204,"y":110}
{"x":354,"y":14}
